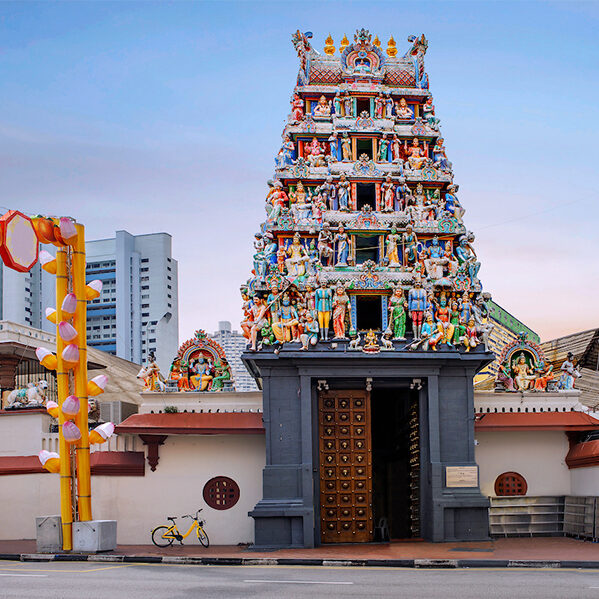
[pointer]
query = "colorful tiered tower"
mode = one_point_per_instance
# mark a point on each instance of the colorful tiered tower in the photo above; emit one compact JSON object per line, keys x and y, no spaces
{"x":364,"y":230}
{"x":365,"y":308}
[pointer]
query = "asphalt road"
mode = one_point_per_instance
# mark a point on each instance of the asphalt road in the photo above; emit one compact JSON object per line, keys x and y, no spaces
{"x":82,"y":580}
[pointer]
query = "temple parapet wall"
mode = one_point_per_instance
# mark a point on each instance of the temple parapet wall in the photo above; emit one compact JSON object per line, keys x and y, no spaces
{"x":155,"y":402}
{"x":528,"y":401}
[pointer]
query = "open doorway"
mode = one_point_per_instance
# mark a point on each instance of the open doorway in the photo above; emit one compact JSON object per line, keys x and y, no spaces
{"x":369,"y":312}
{"x":362,"y":105}
{"x":364,"y":146}
{"x":396,"y":462}
{"x":365,"y":195}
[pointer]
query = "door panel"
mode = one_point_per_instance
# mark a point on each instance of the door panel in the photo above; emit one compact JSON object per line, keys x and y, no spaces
{"x":345,"y":467}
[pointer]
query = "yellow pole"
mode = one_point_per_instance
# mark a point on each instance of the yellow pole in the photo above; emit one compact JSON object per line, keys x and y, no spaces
{"x":62,"y":380}
{"x":80,"y":372}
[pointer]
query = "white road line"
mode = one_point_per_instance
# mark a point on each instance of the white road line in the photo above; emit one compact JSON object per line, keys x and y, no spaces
{"x":42,"y":575}
{"x":297,"y":581}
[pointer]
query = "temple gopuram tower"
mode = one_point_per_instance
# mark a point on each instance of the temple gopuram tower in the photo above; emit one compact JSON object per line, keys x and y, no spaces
{"x":365,"y":318}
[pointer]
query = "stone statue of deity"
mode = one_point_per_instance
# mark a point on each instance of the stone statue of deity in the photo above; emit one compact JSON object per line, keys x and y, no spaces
{"x":297,"y":108}
{"x":297,"y":258}
{"x":322,"y":108}
{"x":346,"y":151}
{"x":397,"y":314}
{"x":342,"y":241}
{"x":417,"y":156}
{"x":323,"y":297}
{"x":409,"y":242}
{"x":388,"y":188}
{"x":340,"y":312}
{"x":392,"y":242}
{"x":383,"y":149}
{"x":315,"y":153}
{"x":343,"y":187}
{"x":325,"y":245}
{"x":428,"y":111}
{"x":285,"y":156}
{"x":403,"y":111}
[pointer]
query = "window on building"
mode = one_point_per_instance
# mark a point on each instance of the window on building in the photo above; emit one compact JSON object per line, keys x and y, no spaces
{"x":362,"y":104}
{"x":364,"y":146}
{"x":145,"y":314}
{"x":145,"y":279}
{"x":169,"y":277}
{"x":168,"y":287}
{"x":145,"y":260}
{"x":366,"y":195}
{"x":510,"y":483}
{"x":221,"y":493}
{"x":369,"y":312}
{"x":152,"y":341}
{"x":367,"y":248}
{"x":145,"y":305}
{"x":144,"y":269}
{"x":145,"y":287}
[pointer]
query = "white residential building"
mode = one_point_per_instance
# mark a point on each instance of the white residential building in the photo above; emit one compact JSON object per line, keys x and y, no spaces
{"x":137,"y":312}
{"x":234,"y":344}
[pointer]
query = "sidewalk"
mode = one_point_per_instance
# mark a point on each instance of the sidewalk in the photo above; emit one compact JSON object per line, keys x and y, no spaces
{"x":513,"y":552}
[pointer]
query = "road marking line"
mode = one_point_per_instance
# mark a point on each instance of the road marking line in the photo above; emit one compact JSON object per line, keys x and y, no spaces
{"x":40,"y":575}
{"x":297,"y":581}
{"x":64,"y":571}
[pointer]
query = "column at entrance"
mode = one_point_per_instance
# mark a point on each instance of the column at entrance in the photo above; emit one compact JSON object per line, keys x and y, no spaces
{"x":345,"y":462}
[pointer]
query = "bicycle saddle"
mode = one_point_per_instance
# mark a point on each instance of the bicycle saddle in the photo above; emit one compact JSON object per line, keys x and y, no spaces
{"x":171,"y":517}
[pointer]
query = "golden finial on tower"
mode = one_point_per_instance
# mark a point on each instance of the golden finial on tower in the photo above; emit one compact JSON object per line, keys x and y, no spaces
{"x":377,"y":42}
{"x":329,"y":47}
{"x":391,"y":47}
{"x":344,"y":44}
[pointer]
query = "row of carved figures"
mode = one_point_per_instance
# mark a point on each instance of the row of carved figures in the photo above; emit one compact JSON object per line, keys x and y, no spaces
{"x":343,"y":105}
{"x":306,"y":205}
{"x":521,"y":374}
{"x":333,"y":249}
{"x":412,"y":157}
{"x":289,"y":315}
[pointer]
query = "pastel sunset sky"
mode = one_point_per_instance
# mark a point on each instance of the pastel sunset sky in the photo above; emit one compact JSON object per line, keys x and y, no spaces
{"x":166,"y":117}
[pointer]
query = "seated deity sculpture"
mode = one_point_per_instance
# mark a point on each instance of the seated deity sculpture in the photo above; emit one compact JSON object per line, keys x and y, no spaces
{"x":315,"y":153}
{"x":297,"y":258}
{"x":322,"y":108}
{"x":402,"y":110}
{"x":417,"y":156}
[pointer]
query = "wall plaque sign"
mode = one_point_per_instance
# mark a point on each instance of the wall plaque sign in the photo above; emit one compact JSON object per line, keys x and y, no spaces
{"x":461,"y":476}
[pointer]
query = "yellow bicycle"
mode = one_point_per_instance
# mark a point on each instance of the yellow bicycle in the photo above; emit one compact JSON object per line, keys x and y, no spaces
{"x":163,"y":536}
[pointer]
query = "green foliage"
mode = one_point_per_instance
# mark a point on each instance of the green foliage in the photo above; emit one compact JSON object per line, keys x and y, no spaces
{"x":171,"y":409}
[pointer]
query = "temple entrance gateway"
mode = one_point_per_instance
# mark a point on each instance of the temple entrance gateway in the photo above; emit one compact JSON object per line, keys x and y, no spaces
{"x":395,"y":463}
{"x":369,"y":465}
{"x":345,"y":467}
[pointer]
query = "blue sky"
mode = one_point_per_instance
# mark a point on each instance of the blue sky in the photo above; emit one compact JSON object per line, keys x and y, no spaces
{"x":166,"y":117}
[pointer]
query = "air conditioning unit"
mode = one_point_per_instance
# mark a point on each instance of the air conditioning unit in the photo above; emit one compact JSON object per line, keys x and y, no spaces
{"x":117,"y":411}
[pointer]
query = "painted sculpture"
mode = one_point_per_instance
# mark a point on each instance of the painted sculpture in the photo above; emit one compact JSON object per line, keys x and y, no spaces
{"x":523,"y":367}
{"x":200,"y":365}
{"x":363,"y":210}
{"x":32,"y":396}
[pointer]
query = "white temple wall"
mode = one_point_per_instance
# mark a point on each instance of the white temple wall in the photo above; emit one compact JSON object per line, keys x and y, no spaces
{"x":585,"y":481}
{"x":186,"y":463}
{"x":539,"y":456}
{"x":139,"y":503}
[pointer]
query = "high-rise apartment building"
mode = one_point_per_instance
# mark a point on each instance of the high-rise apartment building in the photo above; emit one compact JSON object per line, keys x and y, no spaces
{"x":234,"y":344}
{"x":137,"y":311}
{"x":25,"y":296}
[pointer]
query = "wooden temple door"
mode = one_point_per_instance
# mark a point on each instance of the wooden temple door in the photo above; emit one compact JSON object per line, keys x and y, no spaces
{"x":345,"y":467}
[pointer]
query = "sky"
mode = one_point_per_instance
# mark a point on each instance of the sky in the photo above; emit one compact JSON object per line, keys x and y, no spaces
{"x":167,"y":116}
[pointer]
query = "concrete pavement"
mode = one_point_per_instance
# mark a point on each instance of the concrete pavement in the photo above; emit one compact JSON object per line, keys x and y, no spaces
{"x":513,"y":552}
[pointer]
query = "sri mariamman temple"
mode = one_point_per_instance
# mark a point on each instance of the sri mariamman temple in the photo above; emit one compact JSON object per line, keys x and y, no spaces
{"x":365,"y":316}
{"x":396,"y":400}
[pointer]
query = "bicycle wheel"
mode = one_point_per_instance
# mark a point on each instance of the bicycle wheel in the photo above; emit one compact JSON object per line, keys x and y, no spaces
{"x":158,"y":537}
{"x":203,"y":537}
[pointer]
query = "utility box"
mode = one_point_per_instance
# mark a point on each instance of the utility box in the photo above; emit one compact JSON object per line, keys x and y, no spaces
{"x":94,"y":535}
{"x":48,"y":535}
